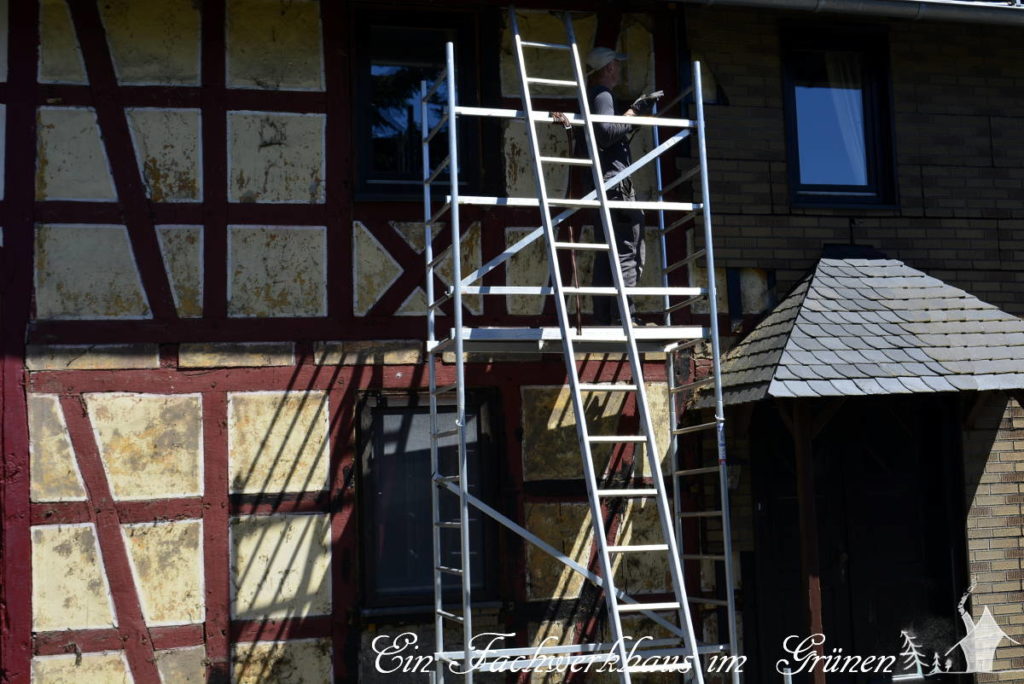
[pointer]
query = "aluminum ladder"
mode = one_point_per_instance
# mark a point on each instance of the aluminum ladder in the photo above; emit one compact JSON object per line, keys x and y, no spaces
{"x":628,"y":341}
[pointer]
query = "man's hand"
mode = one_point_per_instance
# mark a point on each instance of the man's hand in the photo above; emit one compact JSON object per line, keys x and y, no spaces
{"x":644,"y":104}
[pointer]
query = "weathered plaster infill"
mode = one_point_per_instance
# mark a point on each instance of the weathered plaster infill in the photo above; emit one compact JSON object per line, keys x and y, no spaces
{"x":567,"y":527}
{"x":69,"y":584}
{"x":167,"y":149}
{"x":182,"y":665}
{"x":154,"y":42}
{"x":641,"y":572}
{"x":699,"y":278}
{"x":541,"y":25}
{"x":520,"y":179}
{"x":375,"y":269}
{"x":150,"y":444}
{"x":182,"y":250}
{"x":60,"y":58}
{"x":280,"y":566}
{"x":276,"y":157}
{"x":300,"y":661}
{"x":277,"y":271}
{"x":167,"y":564}
{"x":376,"y":352}
{"x":550,"y":446}
{"x":274,"y":44}
{"x":71,"y":163}
{"x":87,"y":271}
{"x":551,"y":633}
{"x":278,"y":441}
{"x":415,"y":304}
{"x":53,"y":469}
{"x":235,"y":354}
{"x":45,"y":357}
{"x":529,"y":267}
{"x":469,"y":256}
{"x":107,"y":667}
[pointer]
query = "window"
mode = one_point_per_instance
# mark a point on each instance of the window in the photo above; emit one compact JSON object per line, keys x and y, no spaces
{"x":395,"y":501}
{"x":395,"y":53}
{"x":838,"y":118}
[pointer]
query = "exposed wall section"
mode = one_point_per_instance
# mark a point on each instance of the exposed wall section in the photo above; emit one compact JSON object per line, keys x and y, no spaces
{"x":71,"y":163}
{"x":182,"y":251}
{"x":69,"y":581}
{"x":300,"y":661}
{"x":277,"y":271}
{"x":167,"y":152}
{"x":85,"y":271}
{"x":274,"y":45}
{"x":167,"y":565}
{"x":60,"y":56}
{"x":276,"y":157}
{"x":154,"y":42}
{"x":53,"y":470}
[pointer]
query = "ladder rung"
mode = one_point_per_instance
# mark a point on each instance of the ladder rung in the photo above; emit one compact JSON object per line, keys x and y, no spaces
{"x":552,"y":82}
{"x":638,"y":548}
{"x":678,"y":222}
{"x":616,"y":438}
{"x":697,"y":471}
{"x":549,"y":46}
{"x":627,"y":493}
{"x":437,"y":260}
{"x":638,"y":291}
{"x":707,"y":601}
{"x":681,"y":666}
{"x":446,"y":433}
{"x":437,"y":171}
{"x":638,"y":607}
{"x":682,"y":305}
{"x":449,"y":524}
{"x":688,"y":260}
{"x":480,"y":200}
{"x":446,"y":478}
{"x":436,"y":129}
{"x":700,"y":514}
{"x":703,"y":556}
{"x":606,"y":387}
{"x":442,"y":300}
{"x":695,"y":428}
{"x":443,"y":78}
{"x":710,"y":380}
{"x":440,"y":212}
{"x":679,"y":181}
{"x":583,"y":246}
{"x":450,"y":571}
{"x":569,"y":161}
{"x":506,"y":290}
{"x":450,"y":616}
{"x":445,"y":388}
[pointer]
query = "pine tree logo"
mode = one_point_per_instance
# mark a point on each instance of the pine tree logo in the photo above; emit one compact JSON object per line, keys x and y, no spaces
{"x":913,"y":658}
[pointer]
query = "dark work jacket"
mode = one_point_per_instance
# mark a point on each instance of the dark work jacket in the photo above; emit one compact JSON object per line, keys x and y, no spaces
{"x":612,"y":139}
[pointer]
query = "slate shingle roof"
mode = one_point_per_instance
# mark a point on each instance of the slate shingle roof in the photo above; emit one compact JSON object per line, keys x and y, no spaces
{"x":860,"y":326}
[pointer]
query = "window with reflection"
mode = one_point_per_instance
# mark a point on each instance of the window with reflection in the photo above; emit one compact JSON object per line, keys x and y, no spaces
{"x":396,"y":53}
{"x":838,"y":119}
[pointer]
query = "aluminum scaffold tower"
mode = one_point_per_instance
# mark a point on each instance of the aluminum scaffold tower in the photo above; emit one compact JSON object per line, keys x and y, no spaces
{"x":682,"y":650}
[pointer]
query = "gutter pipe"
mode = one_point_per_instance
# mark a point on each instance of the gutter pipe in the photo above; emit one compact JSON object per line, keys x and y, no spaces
{"x":1000,"y":14}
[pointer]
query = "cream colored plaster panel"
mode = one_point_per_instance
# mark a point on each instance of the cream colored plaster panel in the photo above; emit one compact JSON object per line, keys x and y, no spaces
{"x":641,"y":572}
{"x":299,"y":661}
{"x":154,"y":42}
{"x":280,"y":566}
{"x":519,"y":176}
{"x":274,"y":45}
{"x":415,"y":304}
{"x":167,"y":564}
{"x":755,"y":291}
{"x":235,"y":354}
{"x":278,"y":441}
{"x":167,"y":151}
{"x":567,"y":527}
{"x":651,"y":276}
{"x":276,"y":158}
{"x":699,"y":278}
{"x":637,"y":41}
{"x":375,"y":270}
{"x":550,"y":446}
{"x":54,"y":471}
{"x":277,"y":271}
{"x":87,"y":271}
{"x":182,"y":665}
{"x":107,"y":667}
{"x":361,"y":352}
{"x":469,"y":257}
{"x":530,"y":267}
{"x":44,"y":357}
{"x":69,"y":584}
{"x":60,"y":58}
{"x":541,"y":25}
{"x":71,"y":163}
{"x":150,"y":444}
{"x":182,"y":250}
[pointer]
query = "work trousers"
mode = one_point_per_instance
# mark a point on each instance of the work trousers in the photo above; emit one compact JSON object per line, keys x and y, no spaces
{"x":628,"y":227}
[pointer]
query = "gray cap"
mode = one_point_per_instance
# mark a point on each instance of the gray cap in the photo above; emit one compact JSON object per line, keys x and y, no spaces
{"x":599,"y":57}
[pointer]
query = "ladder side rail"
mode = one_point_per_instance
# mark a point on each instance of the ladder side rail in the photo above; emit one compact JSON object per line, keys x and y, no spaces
{"x":597,"y":518}
{"x":667,"y":525}
{"x":717,"y":370}
{"x":435,"y":494}
{"x":460,"y":370}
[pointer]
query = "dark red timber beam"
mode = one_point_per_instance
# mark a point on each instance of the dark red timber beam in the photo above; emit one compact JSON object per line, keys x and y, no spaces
{"x":216,"y":551}
{"x":16,"y":289}
{"x":117,"y":142}
{"x":131,"y":625}
{"x":215,"y":155}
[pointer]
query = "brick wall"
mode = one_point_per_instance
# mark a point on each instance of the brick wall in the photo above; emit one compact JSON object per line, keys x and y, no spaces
{"x":959,"y":154}
{"x":994,"y":490}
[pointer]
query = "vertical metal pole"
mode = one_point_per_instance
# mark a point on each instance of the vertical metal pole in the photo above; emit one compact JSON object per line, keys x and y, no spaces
{"x":723,"y":476}
{"x":460,"y":370}
{"x":435,"y":494}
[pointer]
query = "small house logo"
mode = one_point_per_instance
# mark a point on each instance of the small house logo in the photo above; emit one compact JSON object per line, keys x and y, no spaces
{"x":982,"y":639}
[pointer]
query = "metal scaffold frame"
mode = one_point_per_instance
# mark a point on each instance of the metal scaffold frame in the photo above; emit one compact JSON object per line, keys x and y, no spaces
{"x":627,"y":340}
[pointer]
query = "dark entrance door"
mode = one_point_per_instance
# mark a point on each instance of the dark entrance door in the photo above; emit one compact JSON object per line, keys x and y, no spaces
{"x":890,"y":531}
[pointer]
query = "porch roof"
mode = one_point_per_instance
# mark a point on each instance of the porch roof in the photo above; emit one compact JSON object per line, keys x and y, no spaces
{"x":861,"y":326}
